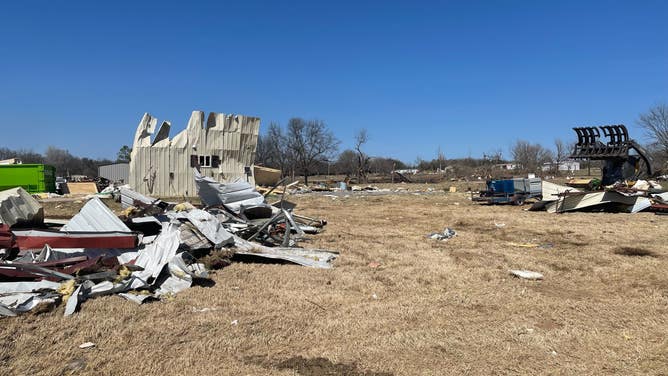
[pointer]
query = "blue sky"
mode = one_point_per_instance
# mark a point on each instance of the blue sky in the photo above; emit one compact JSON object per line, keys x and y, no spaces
{"x":468,"y":76}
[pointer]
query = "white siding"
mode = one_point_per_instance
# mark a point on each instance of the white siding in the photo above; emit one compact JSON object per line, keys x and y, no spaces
{"x":163,"y":169}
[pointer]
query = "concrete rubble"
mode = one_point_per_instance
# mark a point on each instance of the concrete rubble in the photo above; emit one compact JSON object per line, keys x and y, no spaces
{"x":154,"y":249}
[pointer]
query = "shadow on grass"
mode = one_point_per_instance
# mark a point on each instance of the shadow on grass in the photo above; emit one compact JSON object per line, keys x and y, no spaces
{"x":635,"y":252}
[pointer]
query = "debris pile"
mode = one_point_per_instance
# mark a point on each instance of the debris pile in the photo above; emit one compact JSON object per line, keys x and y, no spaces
{"x":633,"y":197}
{"x":154,"y":249}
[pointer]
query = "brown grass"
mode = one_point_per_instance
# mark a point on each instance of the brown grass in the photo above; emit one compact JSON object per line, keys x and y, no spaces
{"x":439,"y":308}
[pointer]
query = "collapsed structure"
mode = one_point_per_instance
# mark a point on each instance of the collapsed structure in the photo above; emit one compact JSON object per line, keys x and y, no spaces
{"x":153,"y":249}
{"x":224,"y":148}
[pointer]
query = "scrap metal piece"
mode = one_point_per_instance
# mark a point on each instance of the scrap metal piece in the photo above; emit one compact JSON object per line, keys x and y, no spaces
{"x":137,"y":298}
{"x":156,"y":255}
{"x":6,"y":311}
{"x":18,"y":206}
{"x":181,"y":274}
{"x":24,"y":302}
{"x":314,"y":258}
{"x":585,"y":200}
{"x":27,"y":287}
{"x":552,"y":191}
{"x":95,"y":216}
{"x":210,"y":227}
{"x":37,"y":239}
{"x":131,"y":198}
{"x":29,"y":270}
{"x":231,"y":195}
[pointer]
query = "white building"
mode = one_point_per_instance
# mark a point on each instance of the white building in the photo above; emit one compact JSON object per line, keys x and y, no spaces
{"x":115,"y":172}
{"x":567,"y":165}
{"x":224,"y":147}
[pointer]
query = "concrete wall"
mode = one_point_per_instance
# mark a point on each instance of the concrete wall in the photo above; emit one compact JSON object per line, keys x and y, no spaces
{"x":162,"y":167}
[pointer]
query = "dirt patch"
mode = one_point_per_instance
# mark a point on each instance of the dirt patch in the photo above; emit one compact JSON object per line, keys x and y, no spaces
{"x":315,"y":366}
{"x":635,"y":252}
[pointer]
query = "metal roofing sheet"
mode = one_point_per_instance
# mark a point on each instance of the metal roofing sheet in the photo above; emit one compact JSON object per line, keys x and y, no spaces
{"x":95,"y":216}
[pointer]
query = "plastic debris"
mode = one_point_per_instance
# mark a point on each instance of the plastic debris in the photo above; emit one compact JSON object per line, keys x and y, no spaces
{"x":526,"y":274}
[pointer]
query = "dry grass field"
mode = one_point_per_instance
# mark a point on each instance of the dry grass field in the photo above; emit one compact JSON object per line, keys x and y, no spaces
{"x":396,"y":303}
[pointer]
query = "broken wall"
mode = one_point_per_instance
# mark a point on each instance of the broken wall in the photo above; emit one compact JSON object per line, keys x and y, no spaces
{"x":223,"y":145}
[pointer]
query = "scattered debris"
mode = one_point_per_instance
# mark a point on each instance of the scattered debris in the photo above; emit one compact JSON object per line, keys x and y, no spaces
{"x":87,"y":345}
{"x":155,"y":249}
{"x":448,"y":233}
{"x":526,"y":274}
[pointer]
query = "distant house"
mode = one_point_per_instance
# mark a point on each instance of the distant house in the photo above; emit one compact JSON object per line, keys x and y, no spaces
{"x":567,"y":165}
{"x":506,"y":166}
{"x":411,"y":171}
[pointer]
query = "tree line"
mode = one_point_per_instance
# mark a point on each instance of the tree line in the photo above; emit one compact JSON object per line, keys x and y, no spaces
{"x":308,"y":147}
{"x":65,"y":163}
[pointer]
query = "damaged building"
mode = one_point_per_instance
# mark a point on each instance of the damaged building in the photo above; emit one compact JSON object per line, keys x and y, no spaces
{"x":224,"y":147}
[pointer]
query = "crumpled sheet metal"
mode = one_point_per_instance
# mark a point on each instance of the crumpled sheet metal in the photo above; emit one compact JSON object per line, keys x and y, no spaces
{"x":18,"y":206}
{"x":631,"y":204}
{"x":128,"y":197}
{"x":27,"y":286}
{"x":313,"y":258}
{"x":24,"y":302}
{"x":155,"y":256}
{"x":232,"y":195}
{"x":210,"y":227}
{"x":181,"y":275}
{"x":95,"y":216}
{"x":551,"y":191}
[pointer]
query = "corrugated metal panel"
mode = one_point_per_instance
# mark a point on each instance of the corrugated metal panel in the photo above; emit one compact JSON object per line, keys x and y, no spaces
{"x":115,"y":172}
{"x":17,"y":205}
{"x":163,"y":169}
{"x":95,"y":216}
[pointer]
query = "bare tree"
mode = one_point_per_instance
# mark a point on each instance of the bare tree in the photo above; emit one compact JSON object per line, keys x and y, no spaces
{"x":561,"y":152}
{"x":530,"y":157}
{"x":361,"y":138}
{"x":309,"y":142}
{"x":440,"y":156}
{"x":64,"y":162}
{"x":272,"y":149}
{"x":346,"y":163}
{"x":655,"y":123}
